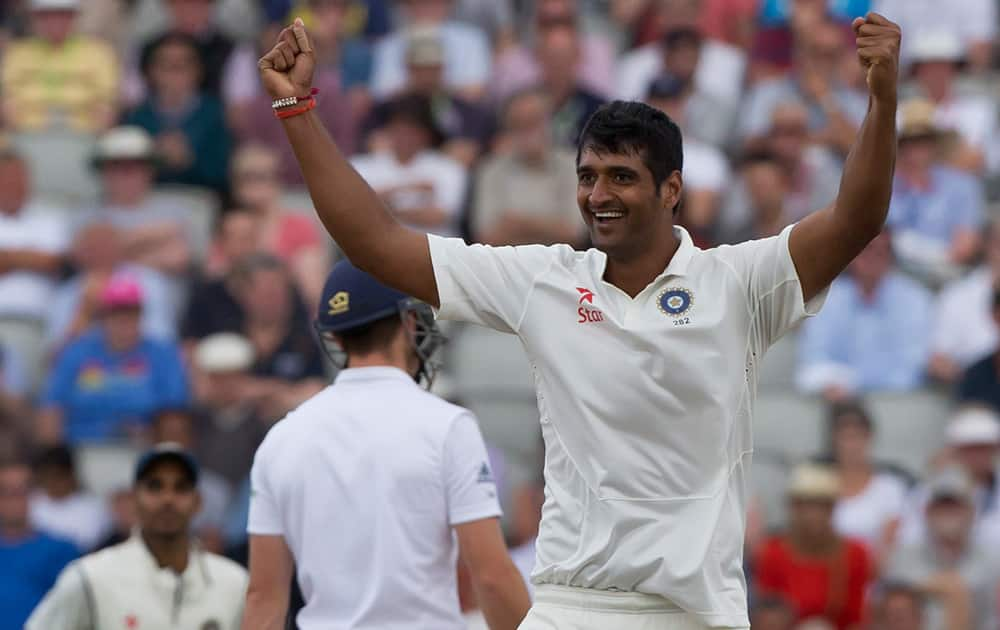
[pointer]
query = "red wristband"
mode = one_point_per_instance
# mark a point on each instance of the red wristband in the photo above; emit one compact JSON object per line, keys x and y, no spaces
{"x":296,"y":111}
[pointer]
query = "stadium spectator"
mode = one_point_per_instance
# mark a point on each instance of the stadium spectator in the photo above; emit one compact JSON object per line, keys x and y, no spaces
{"x":974,"y":21}
{"x":958,"y":574}
{"x":558,"y":53}
{"x":58,"y":79}
{"x":755,"y":201}
{"x":780,"y":22}
{"x":898,"y":606}
{"x":771,"y":613}
{"x":936,"y":212}
{"x":229,"y":427}
{"x":972,"y":440}
{"x":968,"y":120}
{"x":981,"y":382}
{"x":15,"y":386}
{"x":835,"y":107}
{"x":342,"y":77}
{"x":29,"y":559}
{"x":818,"y":571}
{"x":810,"y":171}
{"x":33,"y":243}
{"x":177,"y":426}
{"x":98,"y":254}
{"x":718,"y":70}
{"x":872,"y":332}
{"x":421,"y":185}
{"x":107,"y":384}
{"x":195,"y":19}
{"x":291,"y":236}
{"x":160,"y":577}
{"x":466,"y":48}
{"x":155,"y":232}
{"x":465,"y":125}
{"x":871,"y":500}
{"x":60,"y":506}
{"x":517,"y":69}
{"x":706,"y":171}
{"x":542,"y":208}
{"x":213,"y":305}
{"x":965,"y":327}
{"x":187,"y":124}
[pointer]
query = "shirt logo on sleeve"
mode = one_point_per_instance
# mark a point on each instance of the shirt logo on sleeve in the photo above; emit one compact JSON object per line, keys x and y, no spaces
{"x":675,"y":301}
{"x":485,"y":475}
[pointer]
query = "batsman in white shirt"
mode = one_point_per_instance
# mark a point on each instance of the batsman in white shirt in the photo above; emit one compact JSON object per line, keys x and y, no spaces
{"x":368,"y":485}
{"x":644,"y":349}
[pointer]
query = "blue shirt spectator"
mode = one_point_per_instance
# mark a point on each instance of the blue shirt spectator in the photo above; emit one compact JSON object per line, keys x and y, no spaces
{"x":29,"y":561}
{"x":779,"y":12}
{"x":111,"y":380}
{"x":872,"y":332}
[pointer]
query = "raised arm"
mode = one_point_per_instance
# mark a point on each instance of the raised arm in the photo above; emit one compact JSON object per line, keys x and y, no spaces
{"x":825,"y":242}
{"x":351,"y":211}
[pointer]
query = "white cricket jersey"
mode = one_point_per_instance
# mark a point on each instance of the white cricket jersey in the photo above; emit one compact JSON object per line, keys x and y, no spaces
{"x":645,"y":404}
{"x":365,"y":481}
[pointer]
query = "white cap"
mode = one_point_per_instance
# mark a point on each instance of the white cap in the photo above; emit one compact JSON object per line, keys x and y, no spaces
{"x":814,"y":481}
{"x":224,"y":352}
{"x":125,"y":143}
{"x":973,"y":425}
{"x":55,"y":5}
{"x":936,"y":46}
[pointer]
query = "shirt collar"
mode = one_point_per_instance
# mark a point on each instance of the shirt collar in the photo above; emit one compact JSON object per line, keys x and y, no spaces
{"x":375,"y":373}
{"x":679,"y":262}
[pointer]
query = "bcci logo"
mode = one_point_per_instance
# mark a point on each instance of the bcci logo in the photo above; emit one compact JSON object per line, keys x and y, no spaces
{"x":675,"y":302}
{"x":339,"y":303}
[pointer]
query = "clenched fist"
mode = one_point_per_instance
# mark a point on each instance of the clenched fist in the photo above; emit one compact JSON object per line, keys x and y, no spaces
{"x":878,"y":49}
{"x":287,"y":69}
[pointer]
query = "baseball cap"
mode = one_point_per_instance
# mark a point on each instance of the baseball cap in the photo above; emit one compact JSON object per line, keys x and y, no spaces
{"x":124,"y":143}
{"x":352,"y":298}
{"x":950,"y":483}
{"x":121,"y":291}
{"x":224,"y":352}
{"x":163,"y":451}
{"x":814,"y":482}
{"x":54,"y":5}
{"x":972,"y":426}
{"x":424,"y":47}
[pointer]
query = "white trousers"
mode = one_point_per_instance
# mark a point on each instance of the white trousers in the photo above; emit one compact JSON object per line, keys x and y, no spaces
{"x":568,"y":608}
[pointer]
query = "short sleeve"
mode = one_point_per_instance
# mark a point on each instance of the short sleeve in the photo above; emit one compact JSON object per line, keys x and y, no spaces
{"x":772,"y":285}
{"x":468,"y":478}
{"x":484,"y":285}
{"x":265,"y":512}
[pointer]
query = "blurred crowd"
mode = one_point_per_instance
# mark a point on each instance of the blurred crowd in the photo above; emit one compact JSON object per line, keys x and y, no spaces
{"x":160,"y":262}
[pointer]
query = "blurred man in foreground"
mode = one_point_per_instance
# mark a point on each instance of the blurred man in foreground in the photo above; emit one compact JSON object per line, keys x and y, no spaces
{"x":158,"y":578}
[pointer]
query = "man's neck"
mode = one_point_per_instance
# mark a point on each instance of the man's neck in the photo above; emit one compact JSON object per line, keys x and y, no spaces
{"x":170,"y":552}
{"x":632,"y":275}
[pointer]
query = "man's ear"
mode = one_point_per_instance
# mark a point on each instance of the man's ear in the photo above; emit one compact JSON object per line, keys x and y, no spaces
{"x":671,"y":191}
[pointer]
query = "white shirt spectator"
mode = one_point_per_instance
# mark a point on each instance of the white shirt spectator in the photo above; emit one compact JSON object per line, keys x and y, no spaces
{"x":467,"y":60}
{"x":964,"y":328}
{"x":973,"y":117}
{"x":448,"y":178}
{"x":397,"y":468}
{"x":25,"y":293}
{"x":865,"y":516}
{"x":972,"y":20}
{"x":81,"y":518}
{"x":646,"y":406}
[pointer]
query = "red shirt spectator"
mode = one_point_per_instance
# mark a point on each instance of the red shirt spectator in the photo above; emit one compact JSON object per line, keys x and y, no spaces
{"x":831,"y":587}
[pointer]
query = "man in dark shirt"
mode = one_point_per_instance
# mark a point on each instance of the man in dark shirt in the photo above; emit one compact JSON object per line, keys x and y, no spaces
{"x":195,"y":18}
{"x":981,"y":382}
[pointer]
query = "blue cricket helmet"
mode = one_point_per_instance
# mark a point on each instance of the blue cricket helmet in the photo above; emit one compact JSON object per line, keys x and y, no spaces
{"x":352,"y":299}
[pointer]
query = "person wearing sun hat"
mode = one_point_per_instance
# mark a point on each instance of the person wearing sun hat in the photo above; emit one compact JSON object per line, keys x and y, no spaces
{"x":935,"y":243}
{"x":107,"y":384}
{"x":83,"y":100}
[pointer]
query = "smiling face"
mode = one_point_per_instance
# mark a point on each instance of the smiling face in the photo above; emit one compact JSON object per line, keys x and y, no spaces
{"x":623,"y":208}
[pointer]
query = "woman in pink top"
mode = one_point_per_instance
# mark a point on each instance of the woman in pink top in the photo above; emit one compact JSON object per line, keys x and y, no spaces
{"x":291,"y":236}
